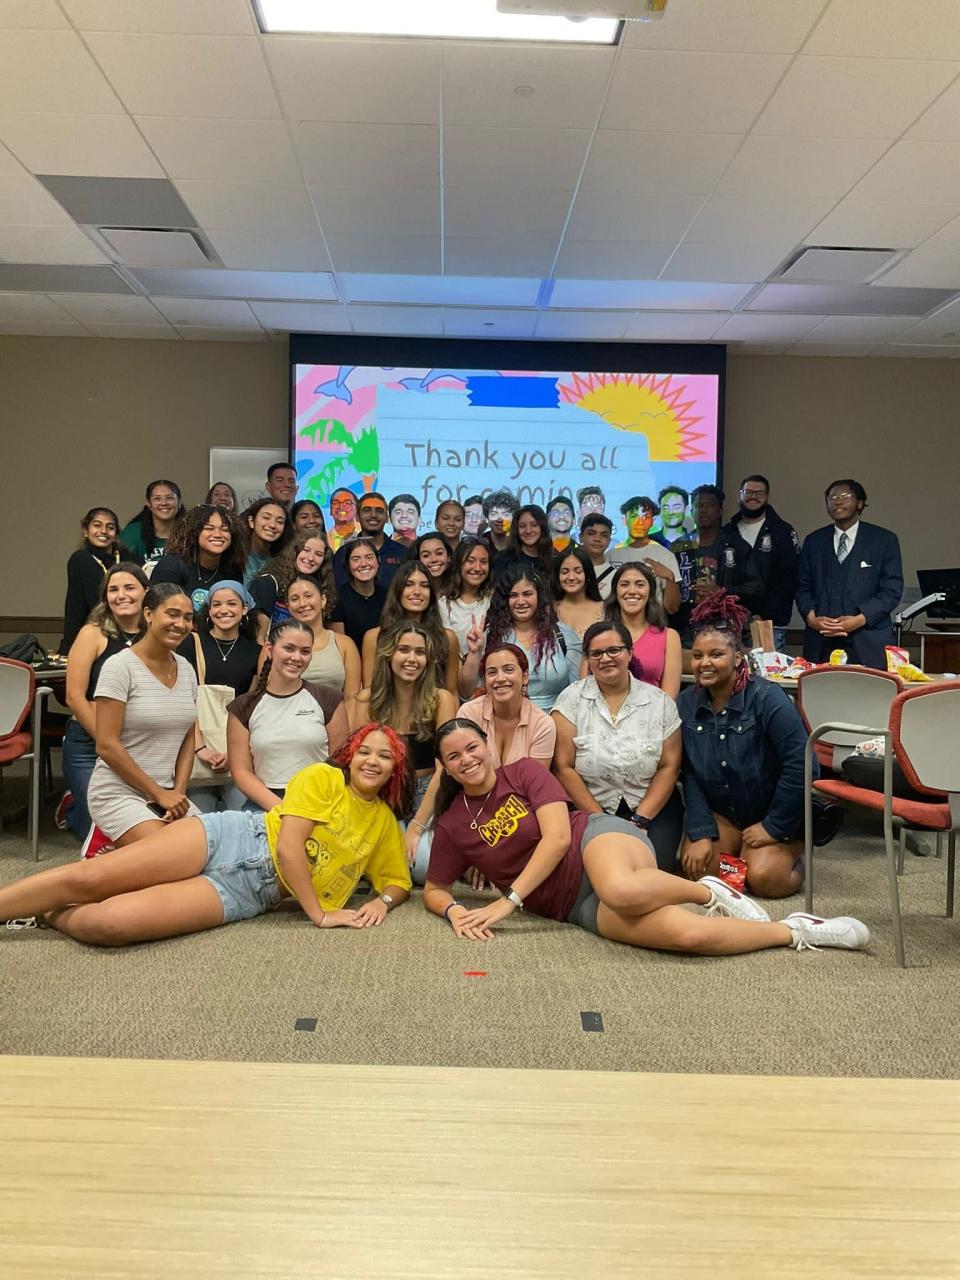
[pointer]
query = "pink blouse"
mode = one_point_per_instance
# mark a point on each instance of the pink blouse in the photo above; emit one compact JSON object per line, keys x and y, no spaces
{"x":649,"y":656}
{"x":535,"y":735}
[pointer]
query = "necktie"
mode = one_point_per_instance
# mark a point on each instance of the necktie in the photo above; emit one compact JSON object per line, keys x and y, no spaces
{"x":843,"y":549}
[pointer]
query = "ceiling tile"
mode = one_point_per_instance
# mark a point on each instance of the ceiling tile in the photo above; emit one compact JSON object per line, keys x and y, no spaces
{"x":200,"y":333}
{"x":34,"y":277}
{"x":264,"y":251}
{"x":941,"y":121}
{"x":580,"y":326}
{"x":254,"y":206}
{"x":613,"y":260}
{"x":462,"y":323}
{"x":935,"y":265}
{"x":222,"y":150}
{"x":24,"y":202}
{"x":653,"y":325}
{"x":78,"y":144}
{"x":766,"y":328}
{"x":847,"y":299}
{"x":395,"y":81}
{"x":29,"y":306}
{"x":604,"y":215}
{"x":302,"y":317}
{"x":419,"y":254}
{"x":885,"y":29}
{"x":451,"y":290}
{"x":478,"y":85}
{"x":172,"y":75}
{"x":919,"y":352}
{"x":9,"y":165}
{"x":208,"y":312}
{"x":139,"y":332}
{"x":397,"y":320}
{"x":866,"y":224}
{"x":929,"y":171}
{"x":723,"y":262}
{"x":936,"y":330}
{"x":739,"y":219}
{"x":91,"y":308}
{"x":466,"y":256}
{"x":860,"y":328}
{"x":542,"y":158}
{"x":500,"y":213}
{"x":208,"y":283}
{"x":747,"y":26}
{"x":647,"y":295}
{"x":853,"y":97}
{"x":215,"y":17}
{"x":772,"y":166}
{"x":403,"y":155}
{"x":757,"y":349}
{"x":45,"y":328}
{"x":623,"y":160}
{"x":49,"y":245}
{"x":52,"y":71}
{"x":378,"y":211}
{"x":119,"y":202}
{"x":35,"y":14}
{"x":843,"y":350}
{"x":690,"y":92}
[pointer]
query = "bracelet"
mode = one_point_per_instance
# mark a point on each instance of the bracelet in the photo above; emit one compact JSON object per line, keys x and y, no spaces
{"x":415,"y":822}
{"x":447,"y":909}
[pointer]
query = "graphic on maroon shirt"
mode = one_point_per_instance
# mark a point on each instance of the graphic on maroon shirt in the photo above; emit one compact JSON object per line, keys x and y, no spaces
{"x":504,"y":822}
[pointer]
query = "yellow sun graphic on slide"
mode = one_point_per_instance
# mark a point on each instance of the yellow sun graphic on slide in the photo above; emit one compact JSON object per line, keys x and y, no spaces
{"x":645,"y":404}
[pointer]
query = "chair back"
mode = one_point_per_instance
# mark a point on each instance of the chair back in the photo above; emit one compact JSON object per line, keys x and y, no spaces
{"x":857,"y":695}
{"x":17,"y":685}
{"x":926,"y":735}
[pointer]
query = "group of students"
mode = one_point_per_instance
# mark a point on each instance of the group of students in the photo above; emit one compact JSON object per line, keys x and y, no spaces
{"x":524,"y":732}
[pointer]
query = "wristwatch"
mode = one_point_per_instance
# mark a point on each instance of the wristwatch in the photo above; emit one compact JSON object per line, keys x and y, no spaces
{"x":512,"y":896}
{"x":641,"y":821}
{"x":385,"y":897}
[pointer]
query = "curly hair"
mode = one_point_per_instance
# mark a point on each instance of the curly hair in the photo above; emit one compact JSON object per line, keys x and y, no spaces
{"x":101,"y":615}
{"x":725,"y":615}
{"x":397,"y":791}
{"x":544,"y":549}
{"x":590,"y":588}
{"x":455,"y":576}
{"x":283,"y":570}
{"x":183,"y":541}
{"x":449,"y":788}
{"x":246,"y":523}
{"x":500,"y":621}
{"x":654,"y":612}
{"x":383,"y":688}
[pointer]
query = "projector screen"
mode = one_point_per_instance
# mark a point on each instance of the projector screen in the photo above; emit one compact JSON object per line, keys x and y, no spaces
{"x":445,"y":428}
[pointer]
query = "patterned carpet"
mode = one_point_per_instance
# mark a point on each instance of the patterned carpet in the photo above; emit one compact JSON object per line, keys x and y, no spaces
{"x":402,"y":994}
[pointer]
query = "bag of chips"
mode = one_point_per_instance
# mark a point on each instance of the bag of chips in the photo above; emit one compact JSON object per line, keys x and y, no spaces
{"x":733,"y":871}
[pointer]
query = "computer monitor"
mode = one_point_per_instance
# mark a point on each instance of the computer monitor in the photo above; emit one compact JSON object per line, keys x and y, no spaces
{"x":947,"y":581}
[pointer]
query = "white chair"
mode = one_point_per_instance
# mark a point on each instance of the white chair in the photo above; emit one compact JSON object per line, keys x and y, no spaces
{"x":19,"y":696}
{"x":851,"y":694}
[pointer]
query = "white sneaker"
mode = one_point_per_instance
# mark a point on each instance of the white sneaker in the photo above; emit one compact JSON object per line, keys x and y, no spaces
{"x":812,"y":932}
{"x":725,"y":901}
{"x":28,"y":922}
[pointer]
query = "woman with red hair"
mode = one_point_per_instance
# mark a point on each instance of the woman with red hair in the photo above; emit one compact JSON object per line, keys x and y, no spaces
{"x":336,"y":823}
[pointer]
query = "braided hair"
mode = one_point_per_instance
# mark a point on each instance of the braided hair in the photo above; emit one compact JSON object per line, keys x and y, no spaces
{"x":725,"y":615}
{"x":290,"y":624}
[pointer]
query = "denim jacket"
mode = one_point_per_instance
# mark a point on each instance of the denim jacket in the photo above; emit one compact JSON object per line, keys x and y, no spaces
{"x":744,"y":762}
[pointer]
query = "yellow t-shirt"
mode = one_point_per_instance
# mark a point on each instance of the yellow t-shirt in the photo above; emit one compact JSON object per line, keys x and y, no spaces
{"x":351,"y":837}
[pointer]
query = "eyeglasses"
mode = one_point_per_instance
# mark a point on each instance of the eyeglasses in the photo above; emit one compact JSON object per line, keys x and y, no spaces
{"x":753,"y":493}
{"x":614,"y":651}
{"x":834,"y":498}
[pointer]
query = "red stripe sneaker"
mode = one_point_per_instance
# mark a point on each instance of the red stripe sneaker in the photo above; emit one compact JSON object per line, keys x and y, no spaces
{"x":60,"y":817}
{"x":97,"y":841}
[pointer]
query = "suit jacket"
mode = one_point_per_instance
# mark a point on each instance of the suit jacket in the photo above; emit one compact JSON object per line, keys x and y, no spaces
{"x":870,"y":581}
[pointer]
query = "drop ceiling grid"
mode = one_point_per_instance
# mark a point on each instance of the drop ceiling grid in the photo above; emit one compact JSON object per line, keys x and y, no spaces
{"x":779,"y":123}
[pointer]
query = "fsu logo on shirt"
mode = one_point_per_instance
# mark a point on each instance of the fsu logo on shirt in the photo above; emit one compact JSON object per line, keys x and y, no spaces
{"x":504,"y":822}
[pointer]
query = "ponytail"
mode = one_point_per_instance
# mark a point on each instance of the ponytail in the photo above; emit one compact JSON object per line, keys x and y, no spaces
{"x":289,"y":624}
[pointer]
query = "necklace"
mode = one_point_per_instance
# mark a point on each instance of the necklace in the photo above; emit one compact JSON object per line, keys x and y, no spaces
{"x":475,"y":821}
{"x":205,"y":581}
{"x":230,"y":647}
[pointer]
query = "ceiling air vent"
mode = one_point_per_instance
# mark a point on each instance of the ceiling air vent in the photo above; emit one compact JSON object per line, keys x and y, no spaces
{"x":836,"y":265}
{"x":155,"y":247}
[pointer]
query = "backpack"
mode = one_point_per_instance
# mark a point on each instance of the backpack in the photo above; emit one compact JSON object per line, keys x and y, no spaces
{"x":24,"y":648}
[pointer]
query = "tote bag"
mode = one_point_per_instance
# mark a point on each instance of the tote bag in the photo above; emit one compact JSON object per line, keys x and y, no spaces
{"x":212,"y":702}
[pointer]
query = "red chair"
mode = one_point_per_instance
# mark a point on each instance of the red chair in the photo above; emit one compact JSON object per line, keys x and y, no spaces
{"x":856,"y":695}
{"x":923,"y":733}
{"x":19,"y":696}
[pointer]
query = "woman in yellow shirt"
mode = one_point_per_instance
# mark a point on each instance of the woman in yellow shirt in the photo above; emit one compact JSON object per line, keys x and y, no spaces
{"x":335,"y":824}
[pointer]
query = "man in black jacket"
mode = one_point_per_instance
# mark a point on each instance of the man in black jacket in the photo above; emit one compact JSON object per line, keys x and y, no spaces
{"x":776,"y":551}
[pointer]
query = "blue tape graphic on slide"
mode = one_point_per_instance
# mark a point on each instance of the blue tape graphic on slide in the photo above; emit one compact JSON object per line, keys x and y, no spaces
{"x":513,"y":393}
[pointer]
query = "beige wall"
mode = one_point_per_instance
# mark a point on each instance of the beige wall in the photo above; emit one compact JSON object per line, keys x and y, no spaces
{"x":90,"y":420}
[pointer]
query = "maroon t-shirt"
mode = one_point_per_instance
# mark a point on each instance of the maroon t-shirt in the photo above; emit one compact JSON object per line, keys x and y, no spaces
{"x":507,"y":834}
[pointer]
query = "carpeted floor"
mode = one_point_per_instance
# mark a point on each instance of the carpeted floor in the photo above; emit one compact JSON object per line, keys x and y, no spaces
{"x":403,"y":994}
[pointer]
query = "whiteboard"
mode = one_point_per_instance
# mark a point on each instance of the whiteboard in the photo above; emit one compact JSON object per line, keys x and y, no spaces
{"x":245,"y":469}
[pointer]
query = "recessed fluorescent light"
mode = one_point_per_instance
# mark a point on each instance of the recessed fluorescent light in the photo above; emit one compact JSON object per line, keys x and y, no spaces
{"x":441,"y":19}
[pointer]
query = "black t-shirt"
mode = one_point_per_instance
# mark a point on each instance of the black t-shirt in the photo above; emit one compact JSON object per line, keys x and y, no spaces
{"x":358,"y":613}
{"x":196,"y":582}
{"x":236,"y":669}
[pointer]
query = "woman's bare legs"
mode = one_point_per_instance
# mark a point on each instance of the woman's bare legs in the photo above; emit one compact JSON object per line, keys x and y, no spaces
{"x":624,"y":875}
{"x":162,"y":911}
{"x":673,"y":929}
{"x":143,"y":829}
{"x":773,"y":871}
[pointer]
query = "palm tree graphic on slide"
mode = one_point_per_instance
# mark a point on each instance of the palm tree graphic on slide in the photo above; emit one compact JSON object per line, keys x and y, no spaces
{"x":361,"y":453}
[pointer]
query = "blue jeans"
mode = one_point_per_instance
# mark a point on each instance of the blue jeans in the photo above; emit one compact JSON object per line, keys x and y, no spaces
{"x":780,"y":639}
{"x":79,"y":757}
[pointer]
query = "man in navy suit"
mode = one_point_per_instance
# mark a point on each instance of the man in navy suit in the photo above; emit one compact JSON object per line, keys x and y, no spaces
{"x":849,"y":581}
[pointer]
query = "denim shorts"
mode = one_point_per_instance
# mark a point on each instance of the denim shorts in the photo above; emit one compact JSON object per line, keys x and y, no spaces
{"x":239,"y":865}
{"x":587,"y":904}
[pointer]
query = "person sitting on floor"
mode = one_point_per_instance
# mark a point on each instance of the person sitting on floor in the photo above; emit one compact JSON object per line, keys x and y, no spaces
{"x":514,"y":826}
{"x":743,"y":748}
{"x":212,"y":870}
{"x":618,"y":743}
